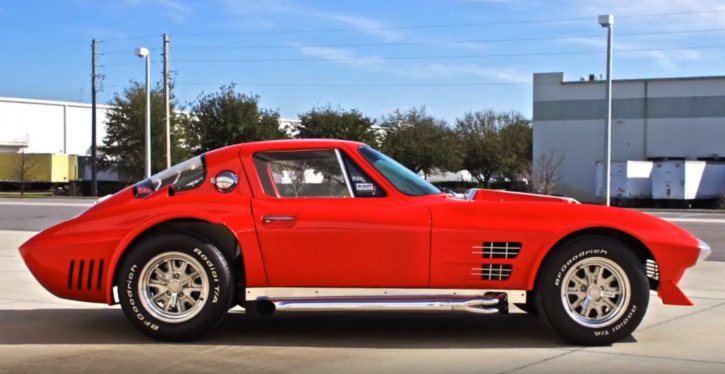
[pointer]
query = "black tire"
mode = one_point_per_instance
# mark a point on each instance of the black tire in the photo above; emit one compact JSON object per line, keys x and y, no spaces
{"x":550,"y":281}
{"x":210,"y":259}
{"x":530,"y":306}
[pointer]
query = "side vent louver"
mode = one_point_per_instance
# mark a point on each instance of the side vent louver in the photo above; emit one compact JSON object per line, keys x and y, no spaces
{"x":653,"y":274}
{"x":70,"y":274}
{"x":493,"y":271}
{"x":652,"y":270}
{"x":498,"y":249}
{"x":88,"y":274}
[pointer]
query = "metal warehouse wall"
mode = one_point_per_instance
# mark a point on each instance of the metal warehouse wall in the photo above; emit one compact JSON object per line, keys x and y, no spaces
{"x":671,"y":117}
{"x":50,"y":126}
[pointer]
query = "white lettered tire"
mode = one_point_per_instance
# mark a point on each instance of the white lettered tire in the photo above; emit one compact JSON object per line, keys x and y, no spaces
{"x":592,"y":291}
{"x":175,"y":286}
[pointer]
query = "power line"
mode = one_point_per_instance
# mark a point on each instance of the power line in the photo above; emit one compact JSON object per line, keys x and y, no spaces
{"x":154,"y":63}
{"x":129,"y":38}
{"x":563,"y":37}
{"x":443,"y":26}
{"x":362,"y":84}
{"x":358,"y":58}
{"x":129,"y":51}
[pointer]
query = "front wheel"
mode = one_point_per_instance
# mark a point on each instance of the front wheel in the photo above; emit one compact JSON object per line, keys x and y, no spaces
{"x":175,"y":287}
{"x":593,"y":291}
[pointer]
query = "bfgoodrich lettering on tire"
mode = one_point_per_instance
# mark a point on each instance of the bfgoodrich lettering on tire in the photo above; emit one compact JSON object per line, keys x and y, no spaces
{"x":592,"y":291}
{"x":175,"y":286}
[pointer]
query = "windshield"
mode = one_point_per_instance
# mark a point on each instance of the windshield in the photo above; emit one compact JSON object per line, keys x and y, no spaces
{"x":401,"y":177}
{"x":184,"y":176}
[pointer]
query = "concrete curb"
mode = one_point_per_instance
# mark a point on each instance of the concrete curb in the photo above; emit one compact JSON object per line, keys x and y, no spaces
{"x":683,"y":211}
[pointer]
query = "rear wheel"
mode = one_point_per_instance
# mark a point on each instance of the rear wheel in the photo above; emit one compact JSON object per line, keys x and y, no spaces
{"x":175,"y":287}
{"x":593,"y":291}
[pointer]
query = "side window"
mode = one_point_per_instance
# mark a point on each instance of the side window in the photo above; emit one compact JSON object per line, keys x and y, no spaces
{"x":301,"y":174}
{"x":362,"y":184}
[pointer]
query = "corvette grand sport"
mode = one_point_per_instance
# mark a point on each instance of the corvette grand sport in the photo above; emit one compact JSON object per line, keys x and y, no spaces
{"x":327,"y":225}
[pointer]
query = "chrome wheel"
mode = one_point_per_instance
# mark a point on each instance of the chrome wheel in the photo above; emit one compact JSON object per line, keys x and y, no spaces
{"x":173,"y":287}
{"x":595,"y":292}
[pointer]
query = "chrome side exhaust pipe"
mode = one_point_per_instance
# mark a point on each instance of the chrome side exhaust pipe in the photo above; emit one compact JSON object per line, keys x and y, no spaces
{"x":478,"y":305}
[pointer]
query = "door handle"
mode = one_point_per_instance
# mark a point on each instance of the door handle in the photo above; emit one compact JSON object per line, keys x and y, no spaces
{"x":270,"y":219}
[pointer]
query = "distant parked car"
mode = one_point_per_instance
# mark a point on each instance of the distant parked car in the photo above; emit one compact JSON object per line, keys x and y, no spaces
{"x":328,"y":225}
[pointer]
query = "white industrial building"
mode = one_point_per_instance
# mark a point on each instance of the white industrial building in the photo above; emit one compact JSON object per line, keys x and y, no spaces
{"x":57,"y":127}
{"x":652,"y":119}
{"x":42,"y":126}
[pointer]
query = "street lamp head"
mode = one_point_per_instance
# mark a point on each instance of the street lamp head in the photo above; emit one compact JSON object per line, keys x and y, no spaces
{"x":606,"y":20}
{"x":141,"y":52}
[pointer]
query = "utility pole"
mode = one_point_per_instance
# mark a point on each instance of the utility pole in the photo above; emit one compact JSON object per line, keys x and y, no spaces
{"x":94,"y":190}
{"x":608,"y":22}
{"x":166,"y":100}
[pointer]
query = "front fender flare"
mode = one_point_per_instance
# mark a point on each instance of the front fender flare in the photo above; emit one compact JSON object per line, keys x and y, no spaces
{"x":546,"y":249}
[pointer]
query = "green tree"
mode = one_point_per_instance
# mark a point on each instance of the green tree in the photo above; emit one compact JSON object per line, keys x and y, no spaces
{"x":328,"y":123}
{"x":226,"y":117}
{"x":123,"y":147}
{"x":517,"y":137}
{"x":421,"y":142}
{"x":494,"y":143}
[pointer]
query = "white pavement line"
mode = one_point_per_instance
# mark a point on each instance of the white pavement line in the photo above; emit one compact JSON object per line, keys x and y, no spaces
{"x":542,"y":361}
{"x":653,"y":357}
{"x":46,"y":204}
{"x":695,"y":220}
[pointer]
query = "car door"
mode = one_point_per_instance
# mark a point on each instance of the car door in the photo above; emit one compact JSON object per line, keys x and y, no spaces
{"x":322,"y":221}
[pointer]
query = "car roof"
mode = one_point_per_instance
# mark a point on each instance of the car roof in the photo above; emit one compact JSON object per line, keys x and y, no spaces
{"x":295,"y":143}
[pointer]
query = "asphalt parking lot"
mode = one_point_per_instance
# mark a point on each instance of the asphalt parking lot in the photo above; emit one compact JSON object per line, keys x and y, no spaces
{"x":42,"y":334}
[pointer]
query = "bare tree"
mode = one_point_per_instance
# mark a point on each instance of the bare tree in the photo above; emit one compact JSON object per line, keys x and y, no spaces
{"x":293,"y":171}
{"x":546,"y":172}
{"x":22,"y":168}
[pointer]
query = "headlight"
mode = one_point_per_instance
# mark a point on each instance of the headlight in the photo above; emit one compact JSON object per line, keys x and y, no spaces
{"x":705,"y":251}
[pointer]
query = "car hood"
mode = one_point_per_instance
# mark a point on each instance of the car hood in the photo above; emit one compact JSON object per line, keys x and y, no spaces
{"x":485,"y":209}
{"x":478,"y":194}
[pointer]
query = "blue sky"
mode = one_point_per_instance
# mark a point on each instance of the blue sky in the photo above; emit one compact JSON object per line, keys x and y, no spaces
{"x":46,"y":48}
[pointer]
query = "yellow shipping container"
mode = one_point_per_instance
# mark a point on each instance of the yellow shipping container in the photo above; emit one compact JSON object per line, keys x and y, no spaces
{"x":72,"y":168}
{"x":37,"y":167}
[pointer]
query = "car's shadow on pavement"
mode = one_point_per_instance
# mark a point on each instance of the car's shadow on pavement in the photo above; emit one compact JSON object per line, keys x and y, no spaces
{"x":372,"y":330}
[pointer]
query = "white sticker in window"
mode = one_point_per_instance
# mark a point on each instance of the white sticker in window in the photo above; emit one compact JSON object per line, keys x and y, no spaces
{"x":365,"y":187}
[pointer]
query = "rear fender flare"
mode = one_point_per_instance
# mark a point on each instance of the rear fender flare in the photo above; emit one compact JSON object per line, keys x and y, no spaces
{"x":123,"y":245}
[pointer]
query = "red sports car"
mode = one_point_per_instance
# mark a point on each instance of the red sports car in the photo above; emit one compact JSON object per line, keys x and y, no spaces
{"x":329,"y":225}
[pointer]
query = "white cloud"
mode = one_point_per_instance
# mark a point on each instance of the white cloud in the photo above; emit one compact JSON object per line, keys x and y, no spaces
{"x":416,"y":70}
{"x":669,"y":59}
{"x":260,"y":6}
{"x":637,"y":7}
{"x":175,"y":9}
{"x":341,"y":56}
{"x":366,"y":25}
{"x":484,"y":1}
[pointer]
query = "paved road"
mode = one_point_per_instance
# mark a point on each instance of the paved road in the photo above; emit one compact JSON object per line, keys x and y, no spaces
{"x":40,"y":333}
{"x":39,"y":214}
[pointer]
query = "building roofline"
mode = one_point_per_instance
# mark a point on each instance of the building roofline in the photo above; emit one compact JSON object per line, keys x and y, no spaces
{"x":669,"y":79}
{"x":71,"y":104}
{"x":551,"y":78}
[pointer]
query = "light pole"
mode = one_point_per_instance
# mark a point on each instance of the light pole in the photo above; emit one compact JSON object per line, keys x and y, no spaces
{"x":608,"y":22}
{"x":143,"y":52}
